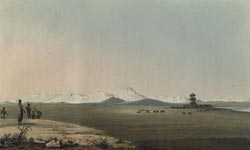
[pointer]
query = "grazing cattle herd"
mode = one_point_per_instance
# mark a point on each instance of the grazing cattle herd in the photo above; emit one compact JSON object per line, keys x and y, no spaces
{"x":148,"y":111}
{"x":152,"y":111}
{"x":164,"y":111}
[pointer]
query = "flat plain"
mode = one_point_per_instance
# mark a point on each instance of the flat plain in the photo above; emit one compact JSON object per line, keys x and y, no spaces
{"x":173,"y":129}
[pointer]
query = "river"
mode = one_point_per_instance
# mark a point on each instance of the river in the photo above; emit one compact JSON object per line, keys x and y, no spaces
{"x":244,"y":109}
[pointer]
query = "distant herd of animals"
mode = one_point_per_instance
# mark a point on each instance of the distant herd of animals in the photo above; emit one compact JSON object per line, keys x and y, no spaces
{"x":148,"y":111}
{"x":164,"y":111}
{"x":192,"y":105}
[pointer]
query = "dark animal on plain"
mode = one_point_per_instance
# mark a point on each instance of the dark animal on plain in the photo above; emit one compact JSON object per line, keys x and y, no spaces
{"x":183,"y":113}
{"x":147,"y":111}
{"x":156,"y":111}
{"x":189,"y":113}
{"x":162,"y":111}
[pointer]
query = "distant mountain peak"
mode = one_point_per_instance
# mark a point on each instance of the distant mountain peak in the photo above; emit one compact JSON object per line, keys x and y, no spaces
{"x":129,"y":94}
{"x":129,"y":89}
{"x":113,"y":100}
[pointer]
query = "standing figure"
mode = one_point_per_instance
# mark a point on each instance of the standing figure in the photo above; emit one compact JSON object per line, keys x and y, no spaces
{"x":33,"y":115}
{"x":20,"y":112}
{"x":28,"y":109}
{"x":3,"y":113}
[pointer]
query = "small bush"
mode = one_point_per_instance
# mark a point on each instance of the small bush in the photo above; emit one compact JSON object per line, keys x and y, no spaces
{"x":102,"y":143}
{"x":9,"y":140}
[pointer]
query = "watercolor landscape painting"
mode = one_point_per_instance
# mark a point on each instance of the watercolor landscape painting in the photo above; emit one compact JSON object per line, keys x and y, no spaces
{"x":125,"y":74}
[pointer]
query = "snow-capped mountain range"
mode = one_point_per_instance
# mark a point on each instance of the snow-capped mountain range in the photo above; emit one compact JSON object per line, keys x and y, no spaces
{"x":128,"y":94}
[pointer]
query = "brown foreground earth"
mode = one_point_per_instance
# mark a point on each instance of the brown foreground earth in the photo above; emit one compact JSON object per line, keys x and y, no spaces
{"x":42,"y":147}
{"x":180,"y":144}
{"x":46,"y":130}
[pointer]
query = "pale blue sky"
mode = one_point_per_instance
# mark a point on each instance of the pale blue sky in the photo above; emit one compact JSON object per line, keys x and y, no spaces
{"x":159,"y":47}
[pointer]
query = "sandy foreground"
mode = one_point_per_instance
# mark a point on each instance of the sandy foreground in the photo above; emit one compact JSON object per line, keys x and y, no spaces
{"x":47,"y":129}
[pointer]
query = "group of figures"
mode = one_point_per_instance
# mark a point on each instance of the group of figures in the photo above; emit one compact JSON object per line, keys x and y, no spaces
{"x":31,"y":113}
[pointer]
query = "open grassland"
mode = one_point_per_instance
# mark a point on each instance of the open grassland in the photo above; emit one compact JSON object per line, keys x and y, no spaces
{"x":171,"y":129}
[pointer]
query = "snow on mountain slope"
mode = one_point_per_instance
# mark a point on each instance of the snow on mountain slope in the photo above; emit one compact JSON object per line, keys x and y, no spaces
{"x":129,"y":94}
{"x":171,"y":99}
{"x":97,"y":97}
{"x":229,"y":99}
{"x":69,"y":98}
